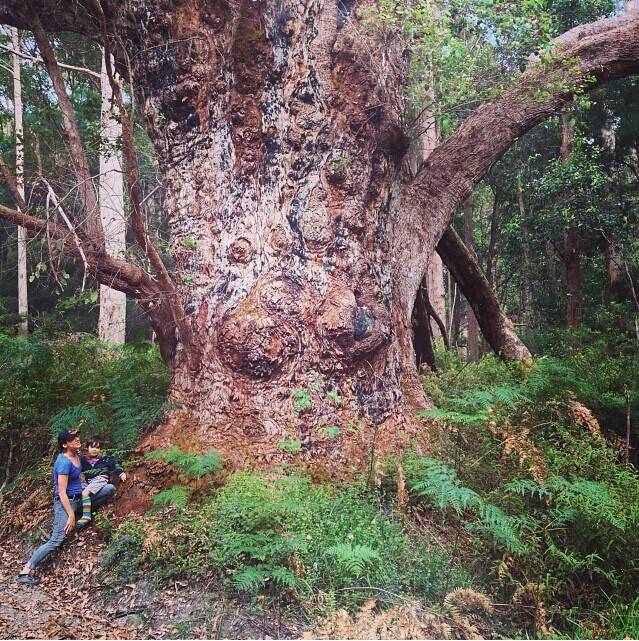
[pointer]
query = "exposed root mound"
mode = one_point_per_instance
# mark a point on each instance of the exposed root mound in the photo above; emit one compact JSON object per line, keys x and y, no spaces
{"x":466,"y":615}
{"x":336,"y":452}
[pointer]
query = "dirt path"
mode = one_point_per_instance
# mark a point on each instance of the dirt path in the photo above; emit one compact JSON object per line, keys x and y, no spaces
{"x":78,"y":605}
{"x":60,"y":606}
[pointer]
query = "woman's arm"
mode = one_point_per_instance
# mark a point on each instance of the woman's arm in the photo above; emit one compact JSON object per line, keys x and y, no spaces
{"x":63,"y":482}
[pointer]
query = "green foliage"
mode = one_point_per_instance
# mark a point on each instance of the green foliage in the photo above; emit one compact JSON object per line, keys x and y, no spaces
{"x":284,"y":536}
{"x":189,"y":465}
{"x":331,"y":432}
{"x":292,"y":446}
{"x":354,"y":559}
{"x":438,"y":484}
{"x":334,"y":396}
{"x":177,"y":496}
{"x":618,"y":620}
{"x":49,"y":386}
{"x":123,"y":556}
{"x":463,"y":52}
{"x":524,"y":463}
{"x":301,"y":399}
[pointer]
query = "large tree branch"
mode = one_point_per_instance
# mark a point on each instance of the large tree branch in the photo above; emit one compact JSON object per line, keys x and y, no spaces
{"x":496,"y":327}
{"x":110,"y":271}
{"x":584,"y":58}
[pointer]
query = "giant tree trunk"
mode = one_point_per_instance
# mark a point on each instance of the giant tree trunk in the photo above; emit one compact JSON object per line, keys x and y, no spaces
{"x":298,"y":245}
{"x":278,"y":140}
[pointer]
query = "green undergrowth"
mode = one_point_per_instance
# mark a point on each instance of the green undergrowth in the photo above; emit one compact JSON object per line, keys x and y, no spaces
{"x":314,"y":547}
{"x":48,"y":386}
{"x":517,"y":458}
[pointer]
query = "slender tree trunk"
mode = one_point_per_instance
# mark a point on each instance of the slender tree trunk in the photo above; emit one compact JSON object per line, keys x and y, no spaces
{"x":572,"y":265}
{"x":23,"y":298}
{"x":551,"y":270}
{"x":491,"y":257}
{"x":435,"y":284}
{"x":112,"y":321}
{"x":526,"y":271}
{"x":473,"y":327}
{"x":495,"y":325}
{"x":613,"y":252}
{"x":571,"y":252}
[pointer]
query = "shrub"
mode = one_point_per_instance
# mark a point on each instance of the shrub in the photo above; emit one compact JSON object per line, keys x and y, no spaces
{"x":123,"y":555}
{"x":287,"y":538}
{"x":510,"y":441}
{"x":46,"y":387}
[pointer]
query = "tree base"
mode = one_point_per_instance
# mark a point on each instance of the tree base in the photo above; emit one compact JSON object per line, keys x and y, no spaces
{"x":336,"y":452}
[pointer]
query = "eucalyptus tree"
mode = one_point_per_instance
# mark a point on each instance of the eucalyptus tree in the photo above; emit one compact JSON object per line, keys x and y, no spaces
{"x":298,"y":238}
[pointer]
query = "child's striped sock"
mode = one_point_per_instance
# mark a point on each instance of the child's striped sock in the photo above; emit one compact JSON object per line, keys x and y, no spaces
{"x":86,"y":511}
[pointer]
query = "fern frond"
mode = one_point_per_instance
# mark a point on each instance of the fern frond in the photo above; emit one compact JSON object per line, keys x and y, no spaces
{"x":190,"y":465}
{"x":354,"y":558}
{"x":249,"y":579}
{"x":177,"y":496}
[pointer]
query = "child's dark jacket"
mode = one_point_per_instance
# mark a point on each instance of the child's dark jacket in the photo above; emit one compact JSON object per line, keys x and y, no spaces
{"x":106,"y":465}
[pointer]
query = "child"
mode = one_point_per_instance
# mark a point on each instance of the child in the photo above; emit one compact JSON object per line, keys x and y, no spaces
{"x":97,"y":470}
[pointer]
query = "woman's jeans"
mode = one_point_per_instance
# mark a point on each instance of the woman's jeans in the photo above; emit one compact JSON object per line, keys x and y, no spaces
{"x":60,"y":517}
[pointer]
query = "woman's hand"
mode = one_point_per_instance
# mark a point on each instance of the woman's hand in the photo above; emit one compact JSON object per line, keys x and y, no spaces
{"x":123,"y":477}
{"x":68,"y":528}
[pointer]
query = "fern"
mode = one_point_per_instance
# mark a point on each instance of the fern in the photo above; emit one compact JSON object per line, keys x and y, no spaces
{"x":177,"y":496}
{"x":438,"y":482}
{"x":452,"y":416}
{"x":355,"y":559}
{"x":249,"y":579}
{"x":193,"y":466}
{"x":551,"y":379}
{"x":283,"y":577}
{"x":76,"y":417}
{"x":130,"y":414}
{"x":525,"y":487}
{"x":579,"y":499}
{"x":499,"y":526}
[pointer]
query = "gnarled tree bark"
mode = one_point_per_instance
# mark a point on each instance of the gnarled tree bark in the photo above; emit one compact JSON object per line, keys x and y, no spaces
{"x":299,"y":243}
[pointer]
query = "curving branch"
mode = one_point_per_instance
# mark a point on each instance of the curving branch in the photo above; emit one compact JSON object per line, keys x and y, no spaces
{"x":584,"y":58}
{"x":113,"y":272}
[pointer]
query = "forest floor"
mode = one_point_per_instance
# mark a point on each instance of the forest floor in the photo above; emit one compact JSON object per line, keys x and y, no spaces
{"x":71,"y":602}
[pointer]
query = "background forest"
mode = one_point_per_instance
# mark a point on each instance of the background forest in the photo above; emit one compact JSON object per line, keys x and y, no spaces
{"x":517,"y":513}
